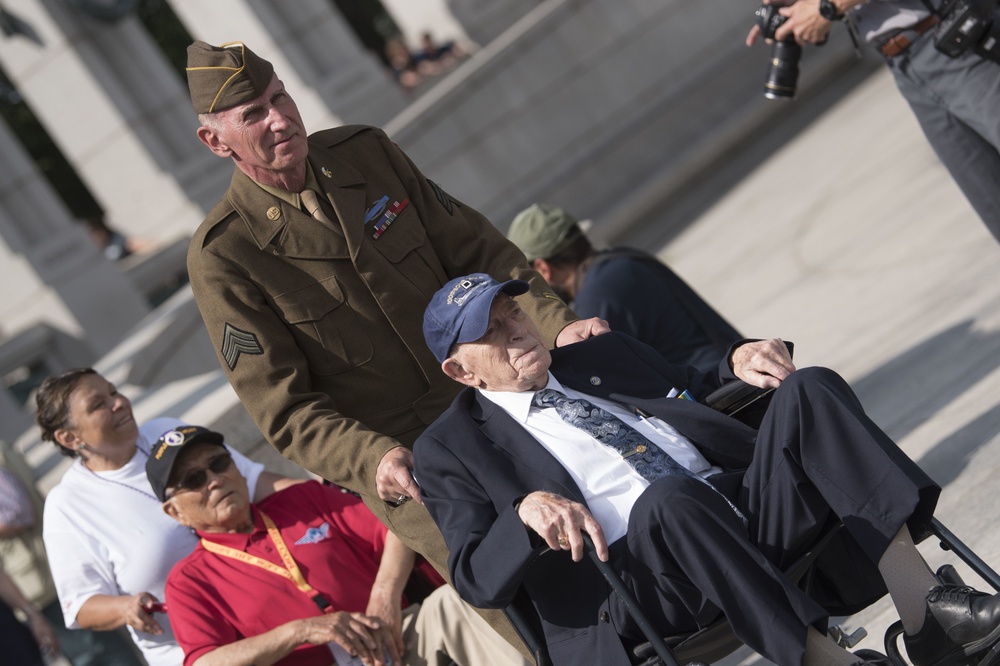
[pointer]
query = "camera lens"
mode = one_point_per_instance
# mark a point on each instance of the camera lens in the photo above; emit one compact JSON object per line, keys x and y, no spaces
{"x":783,"y":75}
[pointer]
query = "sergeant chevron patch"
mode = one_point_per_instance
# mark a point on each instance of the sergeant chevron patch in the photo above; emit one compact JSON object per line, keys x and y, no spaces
{"x":236,"y":342}
{"x":443,"y":197}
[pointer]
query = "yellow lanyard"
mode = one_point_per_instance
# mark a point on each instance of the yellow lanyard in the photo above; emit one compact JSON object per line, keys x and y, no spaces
{"x":290,"y":570}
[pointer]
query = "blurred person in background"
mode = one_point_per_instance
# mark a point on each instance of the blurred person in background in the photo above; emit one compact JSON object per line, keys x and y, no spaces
{"x":632,"y":290}
{"x":22,"y":644}
{"x":950,"y":79}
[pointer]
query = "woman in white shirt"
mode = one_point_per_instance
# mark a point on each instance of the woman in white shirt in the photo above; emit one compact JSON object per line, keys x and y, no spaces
{"x":110,"y":545}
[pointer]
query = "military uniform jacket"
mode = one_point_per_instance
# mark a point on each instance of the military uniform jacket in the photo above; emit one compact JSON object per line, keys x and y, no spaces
{"x":319,"y":329}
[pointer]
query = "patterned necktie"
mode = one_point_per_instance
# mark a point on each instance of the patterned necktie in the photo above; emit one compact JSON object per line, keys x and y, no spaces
{"x":646,"y":458}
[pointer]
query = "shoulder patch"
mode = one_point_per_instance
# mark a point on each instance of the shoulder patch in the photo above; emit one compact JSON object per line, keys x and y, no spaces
{"x":236,"y":342}
{"x":443,"y":197}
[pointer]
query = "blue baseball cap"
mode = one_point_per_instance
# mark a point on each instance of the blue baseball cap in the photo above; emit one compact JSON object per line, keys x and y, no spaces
{"x":460,"y":310}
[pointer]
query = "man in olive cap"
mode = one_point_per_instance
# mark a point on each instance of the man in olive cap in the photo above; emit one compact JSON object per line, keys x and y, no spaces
{"x":633,"y":290}
{"x":312,"y":274}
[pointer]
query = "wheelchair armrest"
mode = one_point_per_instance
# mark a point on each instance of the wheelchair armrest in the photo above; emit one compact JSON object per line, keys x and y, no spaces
{"x":736,"y":396}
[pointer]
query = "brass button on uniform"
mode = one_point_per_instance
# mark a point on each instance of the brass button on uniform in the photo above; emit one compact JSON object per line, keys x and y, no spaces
{"x":273,"y":213}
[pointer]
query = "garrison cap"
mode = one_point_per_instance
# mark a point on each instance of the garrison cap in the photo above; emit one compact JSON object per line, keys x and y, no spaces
{"x":542,"y":231}
{"x":220,"y":77}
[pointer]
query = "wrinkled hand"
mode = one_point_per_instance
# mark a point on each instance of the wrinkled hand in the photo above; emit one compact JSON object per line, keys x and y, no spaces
{"x":44,"y":634}
{"x":393,"y":478}
{"x":138,"y":615}
{"x":804,"y":22}
{"x":391,"y":614}
{"x":765,"y":363}
{"x":559,"y":521}
{"x":581,"y":329}
{"x":360,"y":635}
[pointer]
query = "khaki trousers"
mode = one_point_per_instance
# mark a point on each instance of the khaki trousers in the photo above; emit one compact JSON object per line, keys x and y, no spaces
{"x":444,"y":629}
{"x":413,"y":525}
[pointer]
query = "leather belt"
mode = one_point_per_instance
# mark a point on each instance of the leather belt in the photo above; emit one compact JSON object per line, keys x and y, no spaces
{"x":901,"y":41}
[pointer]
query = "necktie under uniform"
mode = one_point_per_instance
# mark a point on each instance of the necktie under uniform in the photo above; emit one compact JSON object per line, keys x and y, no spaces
{"x":646,"y":458}
{"x":310,"y":201}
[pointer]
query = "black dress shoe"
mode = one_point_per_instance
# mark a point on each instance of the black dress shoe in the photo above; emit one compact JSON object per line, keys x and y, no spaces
{"x":959,"y":623}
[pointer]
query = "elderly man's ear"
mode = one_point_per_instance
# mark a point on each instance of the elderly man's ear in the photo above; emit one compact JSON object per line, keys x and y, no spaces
{"x":170,"y":508}
{"x":454,"y":369}
{"x":210,"y":138}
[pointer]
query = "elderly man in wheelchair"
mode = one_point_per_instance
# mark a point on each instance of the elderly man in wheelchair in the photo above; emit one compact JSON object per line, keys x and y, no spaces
{"x":698,"y":514}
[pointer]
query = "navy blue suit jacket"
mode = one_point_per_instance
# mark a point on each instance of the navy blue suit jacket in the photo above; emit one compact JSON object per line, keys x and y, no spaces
{"x":475,"y":462}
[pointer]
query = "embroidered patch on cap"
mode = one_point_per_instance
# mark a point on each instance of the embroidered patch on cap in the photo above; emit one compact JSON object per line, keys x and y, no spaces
{"x":173,"y":438}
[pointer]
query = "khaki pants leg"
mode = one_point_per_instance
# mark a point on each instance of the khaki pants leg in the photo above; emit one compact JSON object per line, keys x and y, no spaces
{"x":446,"y":629}
{"x":414,"y":526}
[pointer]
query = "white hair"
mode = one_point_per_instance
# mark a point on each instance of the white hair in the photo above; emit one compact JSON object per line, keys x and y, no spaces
{"x":210,"y":120}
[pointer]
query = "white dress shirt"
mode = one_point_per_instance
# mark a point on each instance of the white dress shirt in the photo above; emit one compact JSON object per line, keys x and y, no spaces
{"x":609,"y":484}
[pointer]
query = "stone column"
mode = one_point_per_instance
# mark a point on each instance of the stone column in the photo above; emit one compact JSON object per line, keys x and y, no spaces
{"x":119,"y":113}
{"x":54,"y":273}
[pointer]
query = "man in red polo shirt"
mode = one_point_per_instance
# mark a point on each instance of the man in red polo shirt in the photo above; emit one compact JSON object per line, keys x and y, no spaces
{"x":307,"y":576}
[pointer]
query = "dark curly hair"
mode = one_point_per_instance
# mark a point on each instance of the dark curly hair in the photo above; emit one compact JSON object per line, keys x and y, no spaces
{"x":52,"y":404}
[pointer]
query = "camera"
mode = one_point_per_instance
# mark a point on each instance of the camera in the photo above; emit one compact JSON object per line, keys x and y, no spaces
{"x":964,"y":24}
{"x":783,"y":74}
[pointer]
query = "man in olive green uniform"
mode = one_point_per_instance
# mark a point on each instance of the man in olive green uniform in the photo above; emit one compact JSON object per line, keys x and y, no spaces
{"x":316,"y":316}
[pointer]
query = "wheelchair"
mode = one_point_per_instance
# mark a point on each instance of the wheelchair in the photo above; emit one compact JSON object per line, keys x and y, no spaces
{"x":716,"y":640}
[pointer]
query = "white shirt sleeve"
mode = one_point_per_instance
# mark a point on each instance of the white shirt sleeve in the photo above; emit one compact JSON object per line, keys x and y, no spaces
{"x":80,"y":565}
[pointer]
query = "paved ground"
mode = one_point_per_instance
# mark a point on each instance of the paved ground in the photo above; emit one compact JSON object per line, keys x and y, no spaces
{"x":853,"y":242}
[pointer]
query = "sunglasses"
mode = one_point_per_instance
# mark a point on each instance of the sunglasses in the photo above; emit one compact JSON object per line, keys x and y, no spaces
{"x":197,"y":478}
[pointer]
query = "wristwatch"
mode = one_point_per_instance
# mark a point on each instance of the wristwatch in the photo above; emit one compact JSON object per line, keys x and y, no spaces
{"x":829,"y":11}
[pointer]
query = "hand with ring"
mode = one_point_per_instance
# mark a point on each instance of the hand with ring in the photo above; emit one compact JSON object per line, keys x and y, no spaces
{"x":394,"y":481}
{"x":560,"y":522}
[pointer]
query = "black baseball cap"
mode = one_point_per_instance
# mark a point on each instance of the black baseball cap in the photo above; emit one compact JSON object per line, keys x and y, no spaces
{"x":168,"y":448}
